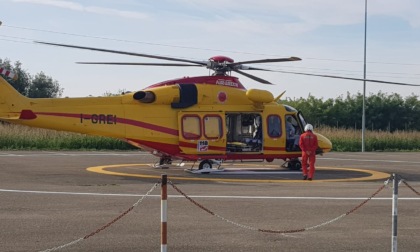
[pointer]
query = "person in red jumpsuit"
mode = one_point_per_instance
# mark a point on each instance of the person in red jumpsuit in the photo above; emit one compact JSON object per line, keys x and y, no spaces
{"x":308,"y":143}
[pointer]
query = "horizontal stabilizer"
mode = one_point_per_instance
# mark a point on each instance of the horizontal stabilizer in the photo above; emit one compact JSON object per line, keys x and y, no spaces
{"x":10,"y":118}
{"x":24,"y":115}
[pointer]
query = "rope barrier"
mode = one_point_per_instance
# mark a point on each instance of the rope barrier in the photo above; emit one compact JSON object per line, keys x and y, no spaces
{"x":275,"y":231}
{"x":409,"y":186}
{"x":225,"y":219}
{"x":104,"y":226}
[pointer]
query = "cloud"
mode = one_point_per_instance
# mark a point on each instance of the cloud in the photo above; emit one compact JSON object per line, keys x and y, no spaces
{"x":266,"y":17}
{"x":69,"y":5}
{"x":404,"y":9}
{"x":308,"y":15}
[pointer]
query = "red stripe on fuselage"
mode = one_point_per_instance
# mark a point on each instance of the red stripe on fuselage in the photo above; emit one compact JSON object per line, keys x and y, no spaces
{"x":148,"y":126}
{"x":58,"y":114}
{"x":119,"y":120}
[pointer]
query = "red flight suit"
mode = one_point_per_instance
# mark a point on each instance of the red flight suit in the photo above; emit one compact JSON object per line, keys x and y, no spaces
{"x":308,"y":143}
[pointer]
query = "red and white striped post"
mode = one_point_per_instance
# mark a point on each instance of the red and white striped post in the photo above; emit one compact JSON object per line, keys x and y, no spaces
{"x":8,"y":73}
{"x":164,"y":213}
{"x":394,"y":241}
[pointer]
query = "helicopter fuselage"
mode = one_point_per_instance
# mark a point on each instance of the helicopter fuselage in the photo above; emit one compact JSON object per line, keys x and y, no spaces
{"x":197,"y":118}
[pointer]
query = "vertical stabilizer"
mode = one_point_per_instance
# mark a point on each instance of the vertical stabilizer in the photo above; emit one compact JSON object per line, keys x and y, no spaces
{"x":11,"y":101}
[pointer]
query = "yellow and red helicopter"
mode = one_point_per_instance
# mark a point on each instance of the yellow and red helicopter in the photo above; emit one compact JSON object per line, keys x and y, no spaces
{"x":205,"y":118}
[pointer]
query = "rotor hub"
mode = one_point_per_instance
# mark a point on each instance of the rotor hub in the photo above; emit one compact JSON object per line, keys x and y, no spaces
{"x":220,"y":64}
{"x":221,"y":59}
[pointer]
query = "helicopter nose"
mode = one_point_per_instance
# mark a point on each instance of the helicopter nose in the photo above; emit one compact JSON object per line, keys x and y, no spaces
{"x":324,"y":143}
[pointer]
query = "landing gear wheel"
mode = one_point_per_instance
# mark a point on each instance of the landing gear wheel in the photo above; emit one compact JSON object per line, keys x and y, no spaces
{"x":294,"y":164}
{"x":205,"y":164}
{"x":163,"y":163}
{"x":165,"y":160}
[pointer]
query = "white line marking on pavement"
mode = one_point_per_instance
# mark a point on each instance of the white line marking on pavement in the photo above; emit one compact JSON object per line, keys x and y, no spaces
{"x":370,"y":160}
{"x":202,"y":196}
{"x":51,"y":153}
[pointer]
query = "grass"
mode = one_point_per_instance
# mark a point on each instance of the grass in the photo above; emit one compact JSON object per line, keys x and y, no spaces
{"x":17,"y":137}
{"x":351,"y":140}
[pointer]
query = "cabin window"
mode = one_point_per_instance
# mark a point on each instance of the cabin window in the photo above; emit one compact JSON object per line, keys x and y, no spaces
{"x":191,"y":127}
{"x":212,"y":126}
{"x":273,"y":125}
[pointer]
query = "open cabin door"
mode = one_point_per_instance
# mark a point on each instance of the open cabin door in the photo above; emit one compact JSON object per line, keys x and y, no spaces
{"x":202,"y":133}
{"x":244,"y":132}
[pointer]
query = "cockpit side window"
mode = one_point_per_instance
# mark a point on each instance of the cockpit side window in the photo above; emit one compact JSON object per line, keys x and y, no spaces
{"x":293,"y":132}
{"x":274,"y":125}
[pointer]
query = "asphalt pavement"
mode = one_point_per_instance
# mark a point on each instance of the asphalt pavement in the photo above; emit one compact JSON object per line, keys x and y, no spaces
{"x":96,"y":201}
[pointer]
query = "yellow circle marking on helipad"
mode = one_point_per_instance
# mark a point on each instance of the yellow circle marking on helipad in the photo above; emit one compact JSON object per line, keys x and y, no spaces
{"x":106,"y":169}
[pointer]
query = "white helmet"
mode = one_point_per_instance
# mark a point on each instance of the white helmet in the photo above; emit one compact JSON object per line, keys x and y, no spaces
{"x":309,"y":127}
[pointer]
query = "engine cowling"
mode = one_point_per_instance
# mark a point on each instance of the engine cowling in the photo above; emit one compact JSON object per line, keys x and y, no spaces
{"x":159,"y":95}
{"x":259,"y":96}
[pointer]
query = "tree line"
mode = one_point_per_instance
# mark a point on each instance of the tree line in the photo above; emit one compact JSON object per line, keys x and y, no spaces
{"x":385,"y":112}
{"x":38,"y":86}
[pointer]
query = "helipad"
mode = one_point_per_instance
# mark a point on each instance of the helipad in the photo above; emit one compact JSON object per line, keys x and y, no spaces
{"x":245,"y":173}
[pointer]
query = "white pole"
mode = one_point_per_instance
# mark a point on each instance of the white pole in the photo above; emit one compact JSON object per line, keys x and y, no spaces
{"x":364,"y":85}
{"x":164,"y":214}
{"x":394,"y":214}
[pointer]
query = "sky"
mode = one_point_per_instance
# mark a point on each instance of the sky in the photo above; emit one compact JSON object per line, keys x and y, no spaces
{"x":327,"y":34}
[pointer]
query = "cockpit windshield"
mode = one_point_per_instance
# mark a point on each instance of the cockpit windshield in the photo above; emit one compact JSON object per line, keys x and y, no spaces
{"x":302,"y":119}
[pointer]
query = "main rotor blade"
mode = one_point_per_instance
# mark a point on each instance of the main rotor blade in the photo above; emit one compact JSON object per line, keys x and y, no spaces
{"x":253,"y":77}
{"x":350,"y":78}
{"x":242,"y":67}
{"x":136,"y":64}
{"x":123,"y":52}
{"x":266,"y":61}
